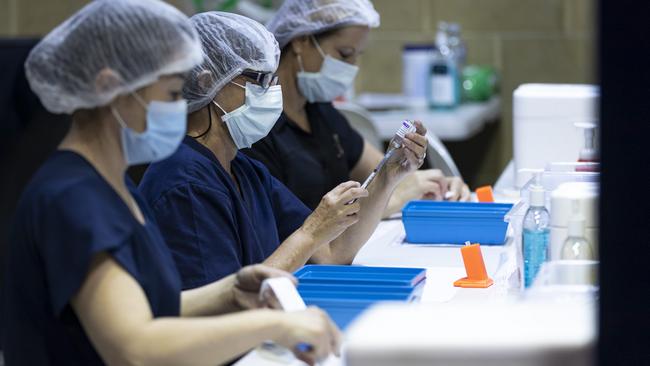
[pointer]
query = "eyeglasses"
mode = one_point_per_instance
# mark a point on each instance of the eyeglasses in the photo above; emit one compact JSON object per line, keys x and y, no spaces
{"x":264,"y":79}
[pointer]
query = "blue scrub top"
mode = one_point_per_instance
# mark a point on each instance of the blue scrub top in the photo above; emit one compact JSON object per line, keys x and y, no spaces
{"x":67,"y":215}
{"x":211,"y":228}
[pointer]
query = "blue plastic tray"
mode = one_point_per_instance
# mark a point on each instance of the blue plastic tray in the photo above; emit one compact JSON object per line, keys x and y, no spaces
{"x":346,"y":291}
{"x":432,"y":222}
{"x":360,"y":275}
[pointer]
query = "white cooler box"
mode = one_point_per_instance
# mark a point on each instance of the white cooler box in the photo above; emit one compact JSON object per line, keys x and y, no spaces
{"x":544,"y":117}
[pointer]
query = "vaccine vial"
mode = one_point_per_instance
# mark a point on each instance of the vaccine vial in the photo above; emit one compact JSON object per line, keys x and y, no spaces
{"x":406,"y":127}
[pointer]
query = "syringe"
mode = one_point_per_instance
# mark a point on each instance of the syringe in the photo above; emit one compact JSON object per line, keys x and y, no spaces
{"x":378,"y":168}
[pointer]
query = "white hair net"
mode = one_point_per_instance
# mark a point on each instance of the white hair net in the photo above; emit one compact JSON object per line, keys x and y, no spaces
{"x":300,"y":17}
{"x":137,"y":41}
{"x":231,"y":44}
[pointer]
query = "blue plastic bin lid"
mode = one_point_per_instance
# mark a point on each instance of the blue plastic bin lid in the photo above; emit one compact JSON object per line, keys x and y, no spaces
{"x":360,"y":275}
{"x":456,"y":209}
{"x":353,"y":288}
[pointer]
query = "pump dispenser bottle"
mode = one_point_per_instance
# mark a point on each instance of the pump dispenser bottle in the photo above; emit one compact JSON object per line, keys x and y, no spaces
{"x":535,"y":232}
{"x":576,"y":246}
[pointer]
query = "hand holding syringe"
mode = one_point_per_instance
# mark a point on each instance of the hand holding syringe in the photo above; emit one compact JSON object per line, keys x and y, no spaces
{"x":396,"y":143}
{"x":405,"y":155}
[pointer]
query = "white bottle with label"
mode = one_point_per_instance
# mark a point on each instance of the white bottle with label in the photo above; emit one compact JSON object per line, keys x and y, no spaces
{"x":416,"y":64}
{"x":563,"y":200}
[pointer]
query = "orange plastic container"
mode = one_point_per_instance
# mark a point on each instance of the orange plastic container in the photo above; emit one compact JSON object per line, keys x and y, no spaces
{"x":477,"y":276}
{"x":484,"y":194}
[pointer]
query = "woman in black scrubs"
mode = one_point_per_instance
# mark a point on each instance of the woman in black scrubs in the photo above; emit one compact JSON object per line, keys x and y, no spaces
{"x":312,"y":148}
{"x":90,"y":279}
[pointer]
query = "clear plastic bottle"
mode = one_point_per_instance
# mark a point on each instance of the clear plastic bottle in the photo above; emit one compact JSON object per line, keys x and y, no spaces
{"x":457,"y":44}
{"x":444,"y":80}
{"x":576,"y":246}
{"x":536,"y":233}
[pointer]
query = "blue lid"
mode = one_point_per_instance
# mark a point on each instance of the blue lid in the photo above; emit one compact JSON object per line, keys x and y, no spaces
{"x":360,"y":275}
{"x":456,"y":209}
{"x":353,"y":288}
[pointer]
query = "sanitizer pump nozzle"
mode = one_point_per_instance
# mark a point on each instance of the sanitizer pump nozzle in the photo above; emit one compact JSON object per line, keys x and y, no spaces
{"x":588,"y":153}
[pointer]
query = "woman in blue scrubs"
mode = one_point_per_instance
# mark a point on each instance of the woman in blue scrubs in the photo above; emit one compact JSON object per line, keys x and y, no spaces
{"x":219,"y":209}
{"x":312,"y":147}
{"x":90,"y":279}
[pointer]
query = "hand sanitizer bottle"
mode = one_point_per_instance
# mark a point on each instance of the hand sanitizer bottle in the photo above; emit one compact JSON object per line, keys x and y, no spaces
{"x":535,"y":233}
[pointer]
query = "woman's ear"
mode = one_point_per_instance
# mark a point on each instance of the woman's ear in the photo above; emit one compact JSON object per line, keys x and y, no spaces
{"x":107,"y":80}
{"x":299,"y":44}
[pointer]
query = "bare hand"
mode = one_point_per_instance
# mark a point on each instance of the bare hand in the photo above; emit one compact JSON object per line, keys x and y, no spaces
{"x":335,"y":213}
{"x":248,"y":282}
{"x":458,"y":190}
{"x":422,"y":184}
{"x":432,"y":184}
{"x":314,"y":328}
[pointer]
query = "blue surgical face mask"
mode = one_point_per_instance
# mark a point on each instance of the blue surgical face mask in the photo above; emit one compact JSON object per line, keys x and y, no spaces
{"x":255,"y":118}
{"x":333,"y":80}
{"x":166,"y":127}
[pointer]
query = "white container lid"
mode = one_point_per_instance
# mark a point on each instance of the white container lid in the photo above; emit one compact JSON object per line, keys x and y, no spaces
{"x":557,"y":102}
{"x":562,"y":203}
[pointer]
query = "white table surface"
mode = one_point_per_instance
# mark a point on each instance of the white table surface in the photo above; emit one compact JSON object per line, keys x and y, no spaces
{"x":444,"y":264}
{"x":457,"y":124}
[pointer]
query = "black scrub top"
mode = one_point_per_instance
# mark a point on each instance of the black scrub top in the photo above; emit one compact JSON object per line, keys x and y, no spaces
{"x":212,"y":228}
{"x":311,"y":164}
{"x":67,"y":215}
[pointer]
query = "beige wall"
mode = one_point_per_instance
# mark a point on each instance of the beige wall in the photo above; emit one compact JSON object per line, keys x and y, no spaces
{"x":526,"y":40}
{"x":37,"y":17}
